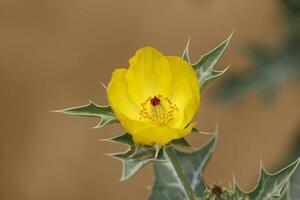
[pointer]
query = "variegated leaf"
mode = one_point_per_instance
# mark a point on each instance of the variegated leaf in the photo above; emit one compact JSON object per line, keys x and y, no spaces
{"x":93,"y":110}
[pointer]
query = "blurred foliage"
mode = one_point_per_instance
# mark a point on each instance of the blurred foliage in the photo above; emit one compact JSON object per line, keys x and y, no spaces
{"x":270,"y":70}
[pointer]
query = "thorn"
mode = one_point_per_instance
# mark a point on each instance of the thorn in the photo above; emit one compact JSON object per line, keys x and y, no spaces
{"x":188,"y":44}
{"x":105,"y":140}
{"x":110,"y":155}
{"x":103,"y":85}
{"x":234,"y":179}
{"x":123,"y":178}
{"x":157,"y":148}
{"x":205,"y":133}
{"x":56,"y":111}
{"x":229,"y":184}
{"x":261,"y":165}
{"x":224,"y":70}
{"x":216,"y":128}
{"x":231,"y":34}
{"x":186,"y":50}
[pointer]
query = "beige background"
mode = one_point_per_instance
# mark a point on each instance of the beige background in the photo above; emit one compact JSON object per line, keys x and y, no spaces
{"x":53,"y":53}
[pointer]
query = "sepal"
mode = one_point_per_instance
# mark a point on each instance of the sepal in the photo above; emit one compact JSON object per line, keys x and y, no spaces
{"x":185,"y":54}
{"x":180,"y":143}
{"x":125,"y":139}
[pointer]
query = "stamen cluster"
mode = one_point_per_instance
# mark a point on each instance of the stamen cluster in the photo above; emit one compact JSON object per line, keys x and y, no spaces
{"x":158,"y":110}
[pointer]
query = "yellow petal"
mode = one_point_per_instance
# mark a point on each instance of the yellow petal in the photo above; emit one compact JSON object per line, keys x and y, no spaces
{"x":151,"y":74}
{"x":160,"y":134}
{"x":184,"y":92}
{"x":118,"y":97}
{"x":148,"y":75}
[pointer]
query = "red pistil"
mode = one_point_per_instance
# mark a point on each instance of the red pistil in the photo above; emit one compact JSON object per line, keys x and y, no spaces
{"x":155,"y":101}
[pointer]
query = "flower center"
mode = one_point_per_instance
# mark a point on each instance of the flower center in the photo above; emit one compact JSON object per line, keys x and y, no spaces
{"x":155,"y":101}
{"x":158,"y":110}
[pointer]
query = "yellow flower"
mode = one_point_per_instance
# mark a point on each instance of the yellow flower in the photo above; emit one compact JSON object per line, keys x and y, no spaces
{"x":156,"y":98}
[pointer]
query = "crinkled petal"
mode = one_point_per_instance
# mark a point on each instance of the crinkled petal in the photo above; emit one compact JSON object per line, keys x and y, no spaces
{"x":148,"y":75}
{"x":118,"y":96}
{"x":184,"y":92}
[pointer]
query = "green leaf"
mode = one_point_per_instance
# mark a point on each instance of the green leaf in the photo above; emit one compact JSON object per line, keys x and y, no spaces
{"x":180,"y":142}
{"x":121,"y":139}
{"x":213,"y":75}
{"x":195,"y":130}
{"x":167,"y":185}
{"x":185,"y":55}
{"x":93,"y":110}
{"x":130,"y":167}
{"x":136,"y":158}
{"x":205,"y":66}
{"x":294,"y":186}
{"x":271,"y":69}
{"x":269,"y":186}
{"x":285,"y":194}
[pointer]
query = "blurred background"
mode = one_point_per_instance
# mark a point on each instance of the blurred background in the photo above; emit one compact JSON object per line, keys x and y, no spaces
{"x":53,"y":53}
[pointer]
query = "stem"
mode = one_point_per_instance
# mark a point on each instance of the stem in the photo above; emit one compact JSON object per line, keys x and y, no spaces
{"x":181,"y":176}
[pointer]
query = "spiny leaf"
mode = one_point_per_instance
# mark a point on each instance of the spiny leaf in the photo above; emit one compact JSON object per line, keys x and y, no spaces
{"x":180,"y":142}
{"x":195,"y":130}
{"x":130,"y":167}
{"x":121,"y":139}
{"x":185,"y":55}
{"x":204,"y":67}
{"x":93,"y":110}
{"x":193,"y":164}
{"x":127,"y":140}
{"x":136,"y":157}
{"x":292,"y":189}
{"x":285,"y":194}
{"x":167,"y":186}
{"x":294,"y":186}
{"x":214,"y":74}
{"x":269,"y":186}
{"x":271,"y":70}
{"x":143,"y":152}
